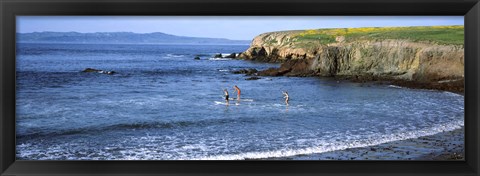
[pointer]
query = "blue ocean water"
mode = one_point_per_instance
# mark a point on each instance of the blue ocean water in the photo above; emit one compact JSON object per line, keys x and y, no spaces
{"x":164,"y":105}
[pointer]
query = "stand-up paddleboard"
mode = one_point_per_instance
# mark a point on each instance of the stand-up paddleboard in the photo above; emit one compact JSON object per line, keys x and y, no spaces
{"x":220,"y":103}
{"x":241,"y":99}
{"x":233,"y":100}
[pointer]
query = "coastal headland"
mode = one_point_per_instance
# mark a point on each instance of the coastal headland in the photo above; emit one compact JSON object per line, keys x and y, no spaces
{"x":429,"y":57}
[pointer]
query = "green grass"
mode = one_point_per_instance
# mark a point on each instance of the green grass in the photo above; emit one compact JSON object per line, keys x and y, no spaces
{"x":445,"y":35}
{"x":317,"y":38}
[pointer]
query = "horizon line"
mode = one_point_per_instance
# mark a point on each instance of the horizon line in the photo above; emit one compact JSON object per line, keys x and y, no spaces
{"x":220,"y":38}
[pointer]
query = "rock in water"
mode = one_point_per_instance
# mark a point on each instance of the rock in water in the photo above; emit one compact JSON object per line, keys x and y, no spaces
{"x":253,"y":78}
{"x":197,"y":58}
{"x":218,"y":56}
{"x":248,"y":72}
{"x":231,"y":55}
{"x":91,"y":70}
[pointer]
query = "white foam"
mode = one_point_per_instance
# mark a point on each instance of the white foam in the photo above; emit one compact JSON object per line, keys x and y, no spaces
{"x":220,"y":103}
{"x":353,"y":143}
{"x":201,"y":147}
{"x":222,"y":70}
{"x":174,"y":55}
{"x":150,"y":100}
{"x":327,"y":144}
{"x":394,"y":86}
{"x":450,"y":80}
{"x":453,"y":94}
{"x":219,"y":59}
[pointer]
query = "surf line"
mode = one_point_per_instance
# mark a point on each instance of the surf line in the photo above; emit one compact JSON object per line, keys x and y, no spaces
{"x":342,"y":146}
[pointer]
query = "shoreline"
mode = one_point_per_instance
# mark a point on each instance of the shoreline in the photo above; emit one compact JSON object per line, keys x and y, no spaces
{"x":300,"y":69}
{"x":443,"y":146}
{"x":454,"y":86}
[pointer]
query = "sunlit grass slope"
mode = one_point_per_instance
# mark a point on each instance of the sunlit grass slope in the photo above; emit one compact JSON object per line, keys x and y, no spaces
{"x":448,"y":35}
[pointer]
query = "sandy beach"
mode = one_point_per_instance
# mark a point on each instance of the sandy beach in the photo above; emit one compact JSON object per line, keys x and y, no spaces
{"x":442,"y":146}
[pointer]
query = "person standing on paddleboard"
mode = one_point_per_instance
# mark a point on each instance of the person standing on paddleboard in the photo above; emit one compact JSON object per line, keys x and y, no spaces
{"x":286,"y":97}
{"x":238,"y":91}
{"x":226,"y":95}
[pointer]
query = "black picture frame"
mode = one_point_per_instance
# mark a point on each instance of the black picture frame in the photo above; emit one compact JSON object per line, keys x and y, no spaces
{"x":11,"y":8}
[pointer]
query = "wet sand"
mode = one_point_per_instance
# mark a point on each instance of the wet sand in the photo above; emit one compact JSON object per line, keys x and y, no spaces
{"x":442,"y":146}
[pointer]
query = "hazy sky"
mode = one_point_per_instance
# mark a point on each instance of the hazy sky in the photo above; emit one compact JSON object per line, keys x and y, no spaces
{"x":244,"y":28}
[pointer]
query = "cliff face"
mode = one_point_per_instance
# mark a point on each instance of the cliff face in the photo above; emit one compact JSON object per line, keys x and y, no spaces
{"x":397,"y":59}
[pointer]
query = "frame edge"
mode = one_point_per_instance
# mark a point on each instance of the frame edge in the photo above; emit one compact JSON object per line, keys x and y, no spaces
{"x":472,"y":87}
{"x":472,"y":28}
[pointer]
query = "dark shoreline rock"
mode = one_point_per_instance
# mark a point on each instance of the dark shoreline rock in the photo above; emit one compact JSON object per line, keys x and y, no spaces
{"x":248,"y":72}
{"x":296,"y":67}
{"x":301,"y":68}
{"x":456,"y":86}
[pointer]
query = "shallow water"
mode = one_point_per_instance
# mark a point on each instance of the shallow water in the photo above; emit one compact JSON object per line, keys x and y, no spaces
{"x":163,"y":105}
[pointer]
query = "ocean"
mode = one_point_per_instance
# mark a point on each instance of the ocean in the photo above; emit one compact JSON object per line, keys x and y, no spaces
{"x":162,"y":104}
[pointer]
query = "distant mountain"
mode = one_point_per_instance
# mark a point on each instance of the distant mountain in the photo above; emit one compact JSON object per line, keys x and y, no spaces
{"x":119,"y":37}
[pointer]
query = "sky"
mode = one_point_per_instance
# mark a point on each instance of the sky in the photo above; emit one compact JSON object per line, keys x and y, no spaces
{"x":230,"y":27}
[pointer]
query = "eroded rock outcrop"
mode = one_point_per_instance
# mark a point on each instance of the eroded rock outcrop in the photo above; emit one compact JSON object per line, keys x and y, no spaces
{"x":387,"y":59}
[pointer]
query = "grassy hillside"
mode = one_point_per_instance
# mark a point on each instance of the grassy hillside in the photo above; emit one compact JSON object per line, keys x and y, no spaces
{"x":449,"y":35}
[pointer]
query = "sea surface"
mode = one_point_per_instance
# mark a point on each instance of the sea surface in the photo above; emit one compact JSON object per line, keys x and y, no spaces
{"x":164,"y":105}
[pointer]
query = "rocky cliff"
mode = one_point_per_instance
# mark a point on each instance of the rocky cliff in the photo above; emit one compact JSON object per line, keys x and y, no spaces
{"x":426,"y":55}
